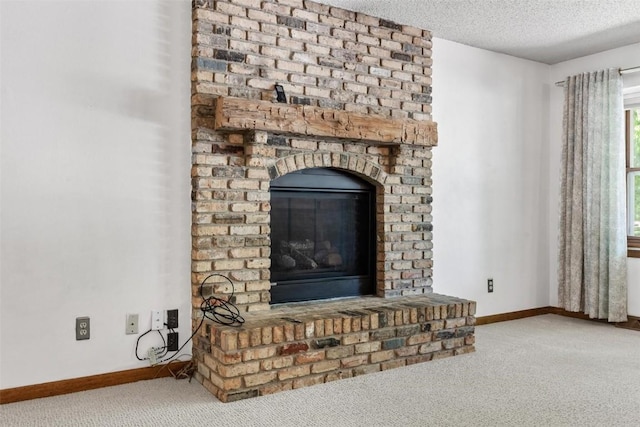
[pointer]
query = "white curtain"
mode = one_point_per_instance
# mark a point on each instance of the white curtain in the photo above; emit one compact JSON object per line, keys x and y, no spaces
{"x":592,"y":274}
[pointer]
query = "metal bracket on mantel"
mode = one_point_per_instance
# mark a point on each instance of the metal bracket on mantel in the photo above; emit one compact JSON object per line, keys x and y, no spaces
{"x":240,"y":114}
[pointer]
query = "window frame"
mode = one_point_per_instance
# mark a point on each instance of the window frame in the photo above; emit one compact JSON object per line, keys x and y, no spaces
{"x":633,"y":242}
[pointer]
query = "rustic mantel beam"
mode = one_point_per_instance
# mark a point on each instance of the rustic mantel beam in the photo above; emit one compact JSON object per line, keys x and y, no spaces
{"x":240,"y":114}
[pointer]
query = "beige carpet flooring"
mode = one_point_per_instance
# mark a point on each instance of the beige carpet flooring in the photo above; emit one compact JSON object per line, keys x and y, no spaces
{"x":541,"y":371}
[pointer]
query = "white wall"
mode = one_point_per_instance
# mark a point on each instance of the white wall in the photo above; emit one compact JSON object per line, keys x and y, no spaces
{"x":626,"y":57}
{"x":95,"y":194}
{"x":95,"y":191}
{"x":490,"y":178}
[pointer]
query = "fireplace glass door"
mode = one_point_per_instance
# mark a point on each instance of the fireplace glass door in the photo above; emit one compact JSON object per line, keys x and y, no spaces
{"x":322,"y":229}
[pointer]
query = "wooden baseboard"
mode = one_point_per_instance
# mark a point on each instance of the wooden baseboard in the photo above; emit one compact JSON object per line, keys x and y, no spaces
{"x":574,"y":314}
{"x":503,"y":317}
{"x":73,"y":385}
{"x":633,"y":323}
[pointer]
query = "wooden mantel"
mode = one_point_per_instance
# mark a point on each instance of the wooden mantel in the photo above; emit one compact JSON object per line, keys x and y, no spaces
{"x":240,"y":114}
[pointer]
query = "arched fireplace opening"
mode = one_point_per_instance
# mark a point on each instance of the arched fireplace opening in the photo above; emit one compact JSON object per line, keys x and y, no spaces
{"x":323,"y":226}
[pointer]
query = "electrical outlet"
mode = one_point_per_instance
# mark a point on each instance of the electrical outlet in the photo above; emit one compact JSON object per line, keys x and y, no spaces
{"x":489,"y":285}
{"x":132,"y":324}
{"x":172,"y":341}
{"x":172,"y":319}
{"x":157,"y":320}
{"x":83,"y":328}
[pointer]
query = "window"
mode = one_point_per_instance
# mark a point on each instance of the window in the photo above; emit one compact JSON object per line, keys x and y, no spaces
{"x":632,"y":138}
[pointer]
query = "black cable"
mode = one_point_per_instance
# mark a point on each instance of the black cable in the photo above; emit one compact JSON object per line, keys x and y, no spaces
{"x":220,"y":311}
{"x":164,"y":345}
{"x":215,"y":309}
{"x":138,"y":342}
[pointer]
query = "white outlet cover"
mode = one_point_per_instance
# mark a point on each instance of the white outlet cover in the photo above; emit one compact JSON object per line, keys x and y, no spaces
{"x":131,"y":326}
{"x":157,"y":320}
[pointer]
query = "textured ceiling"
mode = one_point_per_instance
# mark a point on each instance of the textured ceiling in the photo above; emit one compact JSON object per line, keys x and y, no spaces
{"x":548,"y":31}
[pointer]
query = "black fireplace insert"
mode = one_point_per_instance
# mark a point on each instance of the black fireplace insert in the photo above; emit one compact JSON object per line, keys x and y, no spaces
{"x":322,"y":236}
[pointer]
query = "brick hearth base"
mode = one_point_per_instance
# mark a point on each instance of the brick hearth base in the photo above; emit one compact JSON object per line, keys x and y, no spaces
{"x":298,"y":345}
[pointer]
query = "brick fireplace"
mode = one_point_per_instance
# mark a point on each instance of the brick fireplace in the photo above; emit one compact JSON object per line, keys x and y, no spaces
{"x":359,"y":102}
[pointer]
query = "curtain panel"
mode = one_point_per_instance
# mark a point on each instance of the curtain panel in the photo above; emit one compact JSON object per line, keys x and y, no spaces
{"x":592,"y":269}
